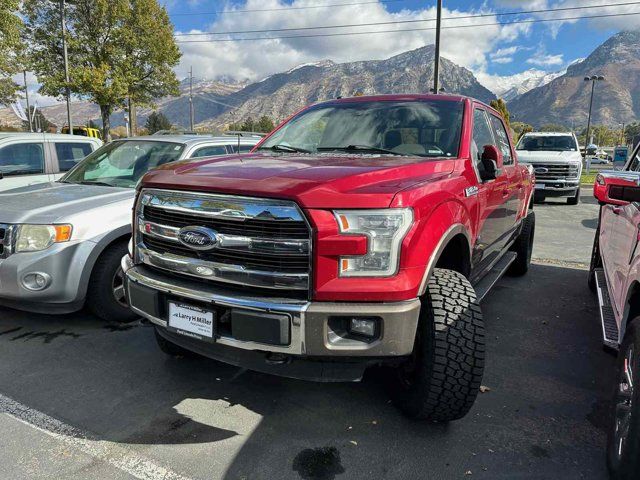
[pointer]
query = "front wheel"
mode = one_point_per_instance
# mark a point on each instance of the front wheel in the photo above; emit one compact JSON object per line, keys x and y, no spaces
{"x":623,"y":443}
{"x":442,"y":378}
{"x":575,"y":200}
{"x":105,"y":296}
{"x":523,"y":246}
{"x":596,"y":261}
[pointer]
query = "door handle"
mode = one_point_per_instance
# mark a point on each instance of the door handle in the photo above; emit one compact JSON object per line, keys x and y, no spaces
{"x":617,"y":210}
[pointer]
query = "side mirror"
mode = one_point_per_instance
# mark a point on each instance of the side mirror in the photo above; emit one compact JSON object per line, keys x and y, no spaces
{"x":617,"y":188}
{"x":492,"y":162}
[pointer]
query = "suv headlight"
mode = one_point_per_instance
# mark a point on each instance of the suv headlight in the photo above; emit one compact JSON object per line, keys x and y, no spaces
{"x":385,"y":230}
{"x":33,"y":238}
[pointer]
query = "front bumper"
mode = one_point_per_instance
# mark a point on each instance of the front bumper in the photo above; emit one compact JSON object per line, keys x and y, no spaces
{"x":62,"y":262}
{"x":557,"y":188}
{"x":310,"y":325}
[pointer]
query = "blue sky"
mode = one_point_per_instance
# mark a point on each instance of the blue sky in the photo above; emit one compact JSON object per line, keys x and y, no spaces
{"x":490,"y":52}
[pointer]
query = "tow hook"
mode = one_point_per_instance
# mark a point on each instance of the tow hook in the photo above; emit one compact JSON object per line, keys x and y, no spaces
{"x":276,"y":358}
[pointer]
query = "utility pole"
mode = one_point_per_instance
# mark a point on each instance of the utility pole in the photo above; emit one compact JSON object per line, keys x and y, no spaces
{"x":436,"y":62}
{"x":66,"y":66}
{"x":26,"y":94}
{"x":191,"y":115}
{"x":622,"y":137}
{"x":593,"y":79}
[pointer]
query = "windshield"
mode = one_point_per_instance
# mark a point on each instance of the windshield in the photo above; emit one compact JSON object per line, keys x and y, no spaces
{"x":423,"y":128}
{"x":554,"y":143}
{"x":123,"y":163}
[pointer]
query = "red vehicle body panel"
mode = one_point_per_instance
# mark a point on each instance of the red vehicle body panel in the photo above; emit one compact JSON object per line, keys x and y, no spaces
{"x":437,"y":189}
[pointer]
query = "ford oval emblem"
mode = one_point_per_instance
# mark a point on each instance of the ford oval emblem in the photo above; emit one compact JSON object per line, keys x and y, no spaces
{"x":541,"y":170}
{"x":198,"y":238}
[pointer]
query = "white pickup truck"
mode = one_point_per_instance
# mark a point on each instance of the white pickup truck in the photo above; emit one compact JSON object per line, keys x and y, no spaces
{"x":557,"y":162}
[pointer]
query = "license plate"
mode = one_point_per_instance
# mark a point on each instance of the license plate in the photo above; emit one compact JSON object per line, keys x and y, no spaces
{"x":539,"y":186}
{"x":191,"y":321}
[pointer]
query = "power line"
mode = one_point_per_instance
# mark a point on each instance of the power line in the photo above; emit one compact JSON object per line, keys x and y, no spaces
{"x":537,"y":20}
{"x":184,"y":14}
{"x":399,"y":22}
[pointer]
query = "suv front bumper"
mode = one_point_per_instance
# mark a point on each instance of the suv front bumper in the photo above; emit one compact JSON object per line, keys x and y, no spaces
{"x":310,"y":333}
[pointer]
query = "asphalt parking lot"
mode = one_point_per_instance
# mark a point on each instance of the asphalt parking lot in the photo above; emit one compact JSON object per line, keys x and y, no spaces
{"x":83,"y":400}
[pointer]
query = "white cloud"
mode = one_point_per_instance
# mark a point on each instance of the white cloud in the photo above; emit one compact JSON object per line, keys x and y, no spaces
{"x":255,"y":60}
{"x":502,"y":60}
{"x":545,"y":60}
{"x":35,"y":98}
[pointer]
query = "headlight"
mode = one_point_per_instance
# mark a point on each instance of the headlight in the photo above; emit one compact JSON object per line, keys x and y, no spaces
{"x":385,"y":229}
{"x":33,"y":238}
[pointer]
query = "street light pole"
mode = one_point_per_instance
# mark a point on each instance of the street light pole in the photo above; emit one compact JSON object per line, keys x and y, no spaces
{"x":66,"y":66}
{"x":191,"y":116}
{"x":593,"y":79}
{"x":436,"y":62}
{"x":26,"y":94}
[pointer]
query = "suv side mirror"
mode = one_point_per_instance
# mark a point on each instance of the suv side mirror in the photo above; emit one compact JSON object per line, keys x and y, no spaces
{"x":492,"y":162}
{"x":617,"y":188}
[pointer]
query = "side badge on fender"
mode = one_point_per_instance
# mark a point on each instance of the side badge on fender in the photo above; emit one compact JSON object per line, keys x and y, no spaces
{"x":469,"y":191}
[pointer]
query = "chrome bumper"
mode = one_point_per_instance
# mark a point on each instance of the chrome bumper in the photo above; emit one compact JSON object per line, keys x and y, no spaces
{"x":310,"y":332}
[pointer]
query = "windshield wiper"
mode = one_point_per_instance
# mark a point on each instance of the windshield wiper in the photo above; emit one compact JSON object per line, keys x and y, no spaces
{"x":354,"y":148}
{"x":285,"y":148}
{"x":90,"y":182}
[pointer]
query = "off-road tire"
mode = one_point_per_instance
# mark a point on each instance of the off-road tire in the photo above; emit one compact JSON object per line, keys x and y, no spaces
{"x":441,"y":380}
{"x":100,"y":298}
{"x":523,"y":246}
{"x":171,"y":348}
{"x":575,"y":200}
{"x":627,"y":465}
{"x":596,"y":261}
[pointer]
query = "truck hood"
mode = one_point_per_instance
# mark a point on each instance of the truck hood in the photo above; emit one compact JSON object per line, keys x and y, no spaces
{"x":312,"y":180}
{"x":58,"y":202}
{"x":529,"y":156}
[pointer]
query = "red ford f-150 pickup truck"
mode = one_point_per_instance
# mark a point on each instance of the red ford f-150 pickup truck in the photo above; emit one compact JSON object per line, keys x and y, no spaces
{"x":361,"y":232}
{"x":615,"y":276}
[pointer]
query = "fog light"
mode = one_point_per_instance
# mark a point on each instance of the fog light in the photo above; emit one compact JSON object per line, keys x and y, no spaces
{"x":363,"y":326}
{"x":36,"y":281}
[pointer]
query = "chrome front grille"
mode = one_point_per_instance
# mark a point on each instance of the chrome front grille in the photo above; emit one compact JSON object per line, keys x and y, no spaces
{"x":6,"y":240}
{"x":257,"y":242}
{"x":552,"y":171}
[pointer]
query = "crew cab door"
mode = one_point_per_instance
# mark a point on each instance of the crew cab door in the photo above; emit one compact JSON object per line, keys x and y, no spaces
{"x":622,"y":244}
{"x":513,"y":191}
{"x":491,"y":227}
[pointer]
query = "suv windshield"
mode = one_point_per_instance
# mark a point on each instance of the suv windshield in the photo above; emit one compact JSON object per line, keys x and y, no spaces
{"x":123,"y":163}
{"x":429,"y":128}
{"x":554,"y":143}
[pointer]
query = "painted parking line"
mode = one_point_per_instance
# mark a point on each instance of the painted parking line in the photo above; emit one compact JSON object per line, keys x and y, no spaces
{"x":123,"y":458}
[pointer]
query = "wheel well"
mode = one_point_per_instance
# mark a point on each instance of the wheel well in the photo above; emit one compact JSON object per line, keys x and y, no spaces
{"x":633,"y":308}
{"x":455,"y":256}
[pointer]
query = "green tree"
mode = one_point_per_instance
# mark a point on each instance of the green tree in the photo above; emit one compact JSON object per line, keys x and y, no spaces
{"x":117,"y":49}
{"x":265,"y":124}
{"x":519,"y":129}
{"x":10,"y":48}
{"x":553,"y":127}
{"x":500,"y":106}
{"x":602,"y":135}
{"x":157,"y":121}
{"x":631,"y":131}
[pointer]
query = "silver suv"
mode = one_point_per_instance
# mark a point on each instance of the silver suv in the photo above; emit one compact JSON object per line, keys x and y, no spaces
{"x":61,"y":242}
{"x":30,"y":158}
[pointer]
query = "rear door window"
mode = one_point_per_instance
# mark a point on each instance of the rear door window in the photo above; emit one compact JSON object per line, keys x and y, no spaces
{"x":71,"y":153}
{"x":22,"y":159}
{"x":210,"y":151}
{"x":243,"y":148}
